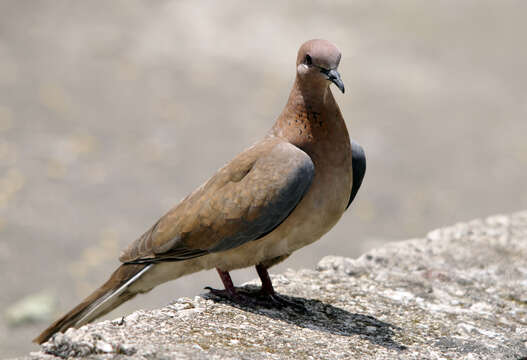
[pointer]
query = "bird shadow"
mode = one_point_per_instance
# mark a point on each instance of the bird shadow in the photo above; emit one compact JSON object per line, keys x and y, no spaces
{"x":317,"y":315}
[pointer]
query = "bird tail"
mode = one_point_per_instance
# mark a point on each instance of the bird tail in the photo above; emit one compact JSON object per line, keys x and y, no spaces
{"x":106,"y":298}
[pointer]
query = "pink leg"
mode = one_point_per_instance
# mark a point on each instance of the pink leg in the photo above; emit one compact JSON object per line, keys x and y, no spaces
{"x":269,"y":295}
{"x":266,"y":297}
{"x":267,"y":285}
{"x":227,"y":281}
{"x":230,"y":291}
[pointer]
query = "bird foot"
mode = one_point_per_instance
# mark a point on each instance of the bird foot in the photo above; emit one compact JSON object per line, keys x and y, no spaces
{"x":225,"y":294}
{"x":279,"y":301}
{"x":253,"y":299}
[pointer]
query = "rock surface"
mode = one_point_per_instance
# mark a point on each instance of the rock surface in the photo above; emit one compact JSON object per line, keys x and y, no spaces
{"x":459,"y":293}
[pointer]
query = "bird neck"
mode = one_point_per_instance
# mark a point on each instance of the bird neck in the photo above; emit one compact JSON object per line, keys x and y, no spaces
{"x":311,"y":116}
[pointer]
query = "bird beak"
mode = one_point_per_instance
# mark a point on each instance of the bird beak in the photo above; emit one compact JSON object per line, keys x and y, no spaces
{"x":334,"y":77}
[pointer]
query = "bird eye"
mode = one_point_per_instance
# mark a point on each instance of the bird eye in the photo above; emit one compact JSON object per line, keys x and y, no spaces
{"x":308,"y":60}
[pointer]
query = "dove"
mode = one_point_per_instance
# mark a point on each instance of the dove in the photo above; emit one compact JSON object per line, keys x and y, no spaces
{"x":279,"y":195}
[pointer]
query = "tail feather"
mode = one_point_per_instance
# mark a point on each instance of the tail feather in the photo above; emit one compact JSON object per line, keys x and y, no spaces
{"x":106,"y":298}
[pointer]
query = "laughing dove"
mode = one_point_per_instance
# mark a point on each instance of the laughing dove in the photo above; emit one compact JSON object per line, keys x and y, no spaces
{"x":279,"y":195}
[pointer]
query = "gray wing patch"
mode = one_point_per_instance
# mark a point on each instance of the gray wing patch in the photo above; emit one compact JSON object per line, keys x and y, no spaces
{"x":358,"y":158}
{"x":298,"y":177}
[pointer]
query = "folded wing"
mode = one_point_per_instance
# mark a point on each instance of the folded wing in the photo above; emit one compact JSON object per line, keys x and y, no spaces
{"x":245,"y":200}
{"x":358,"y":165}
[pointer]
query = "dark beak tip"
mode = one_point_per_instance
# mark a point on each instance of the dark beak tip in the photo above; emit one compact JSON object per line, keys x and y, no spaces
{"x":334,"y":76}
{"x":338,"y":83}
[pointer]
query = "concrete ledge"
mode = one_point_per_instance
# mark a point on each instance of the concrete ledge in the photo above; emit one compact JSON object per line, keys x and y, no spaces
{"x":459,"y":293}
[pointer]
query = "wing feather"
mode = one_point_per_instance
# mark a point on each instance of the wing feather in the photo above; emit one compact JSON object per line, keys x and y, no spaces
{"x":245,"y":200}
{"x":358,"y":165}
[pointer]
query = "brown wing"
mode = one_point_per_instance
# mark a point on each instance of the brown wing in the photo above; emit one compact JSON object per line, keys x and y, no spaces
{"x":244,"y":200}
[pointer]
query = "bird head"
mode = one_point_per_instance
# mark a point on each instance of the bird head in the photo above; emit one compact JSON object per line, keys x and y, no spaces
{"x":317,"y":63}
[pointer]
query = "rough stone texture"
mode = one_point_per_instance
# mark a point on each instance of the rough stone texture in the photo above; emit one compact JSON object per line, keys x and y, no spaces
{"x":460,"y":293}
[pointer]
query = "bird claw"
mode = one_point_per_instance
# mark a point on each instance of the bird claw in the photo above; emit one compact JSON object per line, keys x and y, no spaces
{"x":258,"y":299}
{"x":233,"y":296}
{"x":221,"y":293}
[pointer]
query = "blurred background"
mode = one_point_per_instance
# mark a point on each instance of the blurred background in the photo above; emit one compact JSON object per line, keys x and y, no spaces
{"x":111,"y":112}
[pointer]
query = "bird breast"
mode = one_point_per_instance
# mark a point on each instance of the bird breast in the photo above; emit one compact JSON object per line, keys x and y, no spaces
{"x":318,"y":211}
